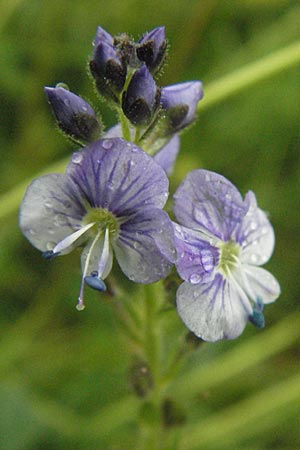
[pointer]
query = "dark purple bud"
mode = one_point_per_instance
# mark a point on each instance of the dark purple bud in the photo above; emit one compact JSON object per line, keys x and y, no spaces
{"x":102,"y":36}
{"x":109,"y":70}
{"x":141,"y":99}
{"x":152,"y":47}
{"x":180,"y":103}
{"x":74,"y":116}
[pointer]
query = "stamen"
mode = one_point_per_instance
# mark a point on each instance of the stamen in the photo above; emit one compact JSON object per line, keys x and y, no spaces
{"x":80,"y":305}
{"x":49,"y":254}
{"x":104,"y":259}
{"x":69,"y":240}
{"x":95,"y":282}
{"x":257,"y":318}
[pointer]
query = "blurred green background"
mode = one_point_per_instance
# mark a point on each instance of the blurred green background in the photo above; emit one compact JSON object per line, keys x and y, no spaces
{"x":64,"y":375}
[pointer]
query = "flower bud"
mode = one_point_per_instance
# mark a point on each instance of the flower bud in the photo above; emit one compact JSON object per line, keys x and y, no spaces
{"x":74,"y":116}
{"x":151,"y":48}
{"x":108,"y":69}
{"x":102,"y":36}
{"x":141,"y":99}
{"x":180,"y":103}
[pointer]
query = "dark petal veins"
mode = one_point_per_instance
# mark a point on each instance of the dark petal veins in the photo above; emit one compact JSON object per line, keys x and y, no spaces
{"x":215,"y":310}
{"x":119,"y":176}
{"x":210,"y":203}
{"x":145,"y":248}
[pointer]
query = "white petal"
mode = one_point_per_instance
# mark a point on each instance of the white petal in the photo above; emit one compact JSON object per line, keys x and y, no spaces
{"x":263,"y":284}
{"x":213,"y":311}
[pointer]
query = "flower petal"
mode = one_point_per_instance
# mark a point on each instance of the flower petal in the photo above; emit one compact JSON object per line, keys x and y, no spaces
{"x":197,"y":258}
{"x":145,"y":249}
{"x":255,"y":234}
{"x":119,"y":176}
{"x":49,"y":211}
{"x":167,"y":155}
{"x":209,"y":202}
{"x":263,"y":285}
{"x":215,"y":310}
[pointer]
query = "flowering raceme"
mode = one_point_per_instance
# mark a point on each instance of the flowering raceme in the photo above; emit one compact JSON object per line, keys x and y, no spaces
{"x":110,"y":199}
{"x":221,"y":242}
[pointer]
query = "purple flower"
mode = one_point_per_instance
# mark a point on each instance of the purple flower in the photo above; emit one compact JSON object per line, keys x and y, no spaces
{"x":141,"y":99}
{"x":165,"y":157}
{"x":74,"y":115}
{"x":221,"y":242}
{"x":180,"y":103}
{"x":152,"y":47}
{"x":109,"y":200}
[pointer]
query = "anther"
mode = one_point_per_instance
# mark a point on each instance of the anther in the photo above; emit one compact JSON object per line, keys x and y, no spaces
{"x":94,"y":282}
{"x":49,"y":254}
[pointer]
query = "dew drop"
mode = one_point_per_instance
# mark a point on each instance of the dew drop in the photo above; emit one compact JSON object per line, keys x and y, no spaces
{"x":32,"y":231}
{"x":132,"y":163}
{"x":254,"y":258}
{"x":207,"y":177}
{"x":110,"y":185}
{"x":59,"y":220}
{"x":253,"y":225}
{"x":84,"y":109}
{"x":50,"y":245}
{"x":228,"y":197}
{"x":133,"y":149}
{"x":67,"y":102}
{"x":48,"y":204}
{"x":195,"y":278}
{"x":107,"y":144}
{"x":77,"y":158}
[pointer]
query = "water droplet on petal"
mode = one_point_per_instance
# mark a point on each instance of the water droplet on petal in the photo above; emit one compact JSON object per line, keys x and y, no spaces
{"x":134,"y":149}
{"x":32,"y":231}
{"x":253,"y":225}
{"x":84,"y":109}
{"x":132,"y":163}
{"x":228,"y":197}
{"x":77,"y":158}
{"x":107,"y":144}
{"x":48,"y":204}
{"x":110,"y":184}
{"x":67,"y":102}
{"x":195,"y":278}
{"x":254,"y":258}
{"x":207,"y":177}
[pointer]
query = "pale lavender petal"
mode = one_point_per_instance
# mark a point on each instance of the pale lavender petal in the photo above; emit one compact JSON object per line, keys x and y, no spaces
{"x":49,"y":211}
{"x":145,"y":246}
{"x":259,"y":284}
{"x":119,"y":176}
{"x":210,"y":203}
{"x":197,"y":258}
{"x":213,"y":311}
{"x":255,"y":234}
{"x":167,"y":155}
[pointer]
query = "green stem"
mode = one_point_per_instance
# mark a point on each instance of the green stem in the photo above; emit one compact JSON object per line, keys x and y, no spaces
{"x":249,"y":75}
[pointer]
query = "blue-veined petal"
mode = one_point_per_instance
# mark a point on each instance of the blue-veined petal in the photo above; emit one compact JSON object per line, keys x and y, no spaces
{"x":255,"y":234}
{"x":145,"y":247}
{"x":197,"y":258}
{"x":262,"y":284}
{"x":49,"y":211}
{"x":209,"y":202}
{"x":215,"y":310}
{"x":167,"y":155}
{"x":119,"y":176}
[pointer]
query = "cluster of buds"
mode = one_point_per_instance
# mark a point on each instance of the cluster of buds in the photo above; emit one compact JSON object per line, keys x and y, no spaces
{"x":124,"y":73}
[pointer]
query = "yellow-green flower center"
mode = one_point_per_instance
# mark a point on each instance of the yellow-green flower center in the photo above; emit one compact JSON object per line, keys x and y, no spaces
{"x":229,"y":252}
{"x":103,"y":219}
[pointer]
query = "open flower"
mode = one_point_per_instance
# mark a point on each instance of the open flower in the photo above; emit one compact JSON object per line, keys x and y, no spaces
{"x":221,"y":242}
{"x":109,"y":199}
